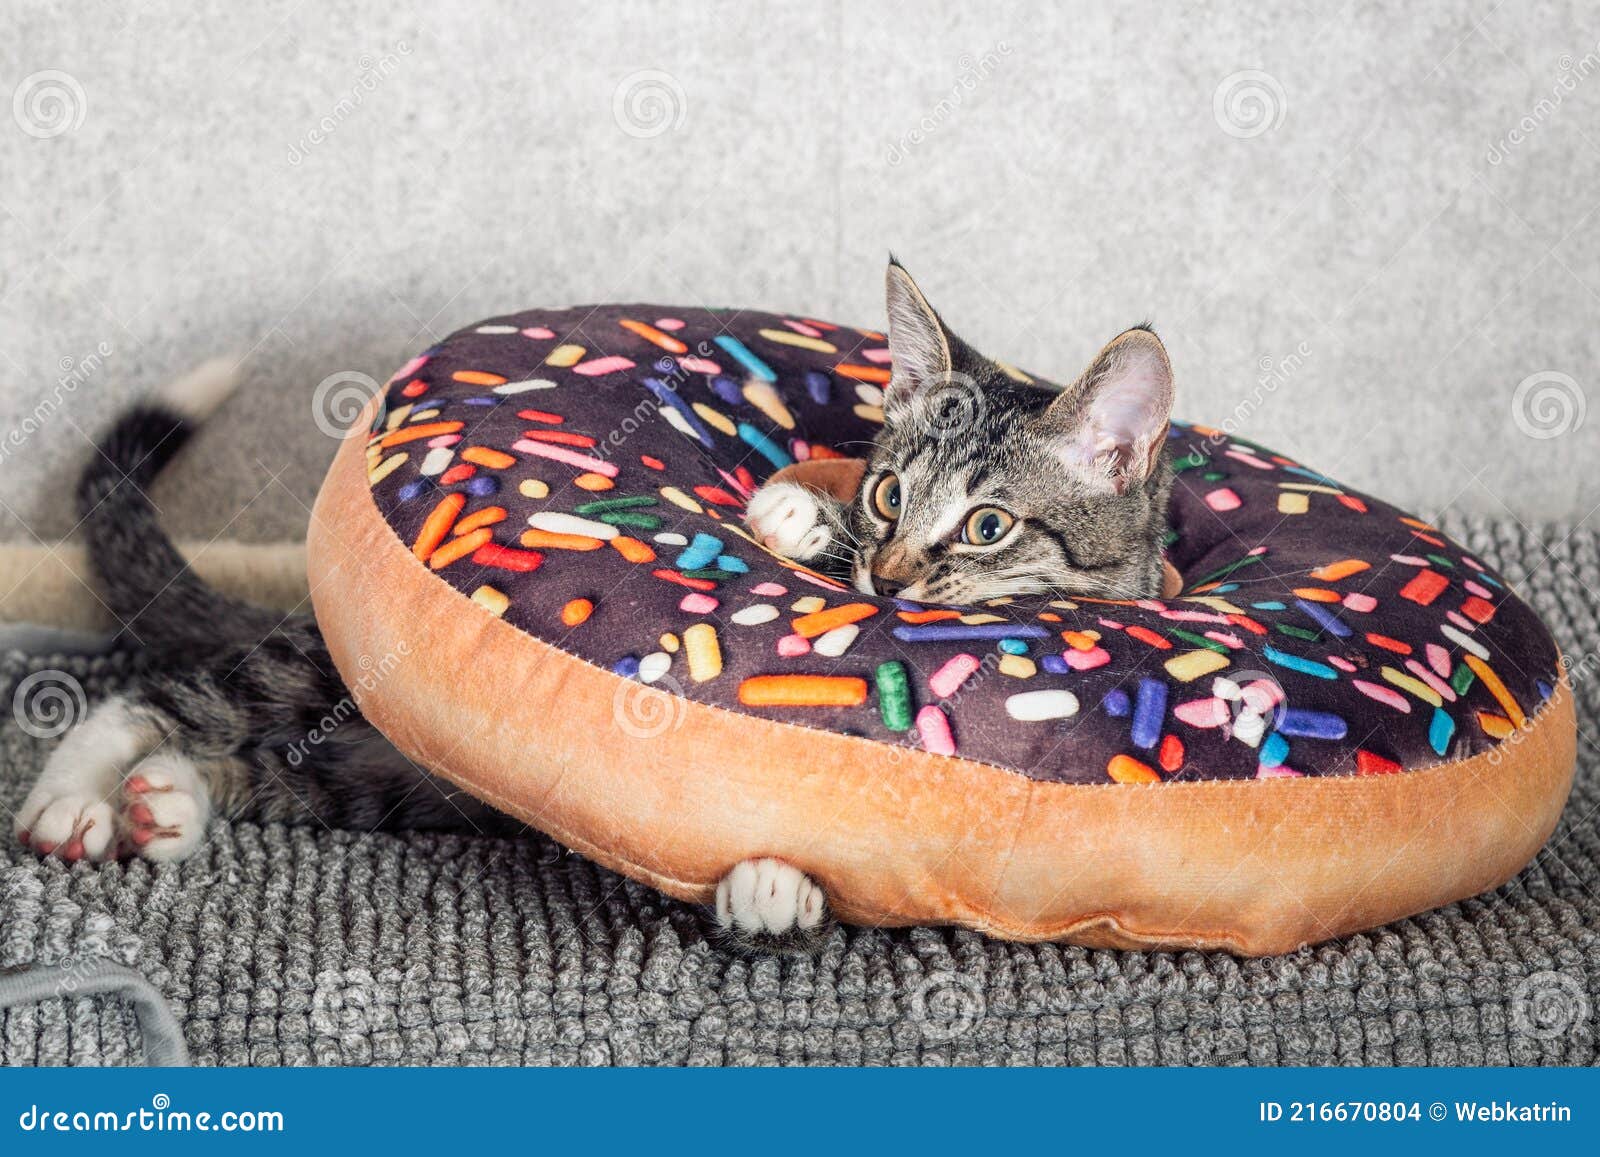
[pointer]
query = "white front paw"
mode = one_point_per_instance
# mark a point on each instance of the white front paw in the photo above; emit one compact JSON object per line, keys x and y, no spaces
{"x":768,"y":905}
{"x":787,"y":518}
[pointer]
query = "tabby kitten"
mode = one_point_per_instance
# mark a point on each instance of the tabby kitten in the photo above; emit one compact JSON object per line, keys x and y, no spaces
{"x":1038,"y":491}
{"x":983,"y":484}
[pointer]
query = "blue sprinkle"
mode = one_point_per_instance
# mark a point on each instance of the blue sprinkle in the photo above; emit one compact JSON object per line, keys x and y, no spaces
{"x":668,"y":396}
{"x":740,"y":351}
{"x":1325,"y":618}
{"x":1223,"y":589}
{"x":727,"y":389}
{"x":1440,"y":729}
{"x":1544,"y":689}
{"x":627,"y":666}
{"x":956,"y":632}
{"x":1307,"y":724}
{"x":482,"y":485}
{"x":1311,"y":474}
{"x":700,"y":553}
{"x":765,"y":446}
{"x":819,"y":386}
{"x":1270,"y":605}
{"x":1149,"y":712}
{"x":1296,"y":663}
{"x":1115,"y":704}
{"x":1013,"y":646}
{"x":1274,"y":750}
{"x":1054,"y":665}
{"x":480,"y":400}
{"x":412,"y":489}
{"x":730,"y":564}
{"x":1484,"y":577}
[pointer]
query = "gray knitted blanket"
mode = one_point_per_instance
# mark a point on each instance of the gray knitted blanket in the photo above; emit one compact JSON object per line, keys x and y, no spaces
{"x":306,"y":946}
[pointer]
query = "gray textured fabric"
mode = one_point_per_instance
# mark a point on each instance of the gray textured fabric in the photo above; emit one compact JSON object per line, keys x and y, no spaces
{"x":296,"y":946}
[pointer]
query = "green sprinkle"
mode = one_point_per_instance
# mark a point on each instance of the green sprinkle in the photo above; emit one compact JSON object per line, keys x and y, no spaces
{"x":1213,"y":475}
{"x":624,"y":518}
{"x":1226,"y":570}
{"x":1197,"y":640}
{"x":1296,"y":632}
{"x":605,"y":504}
{"x":894,"y":696}
{"x":715,"y":573}
{"x":1462,"y":679}
{"x":1171,"y":537}
{"x":1440,"y":560}
{"x":1189,"y":462}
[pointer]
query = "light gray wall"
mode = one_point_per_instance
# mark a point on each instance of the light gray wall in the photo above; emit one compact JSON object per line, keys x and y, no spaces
{"x":1257,"y":179}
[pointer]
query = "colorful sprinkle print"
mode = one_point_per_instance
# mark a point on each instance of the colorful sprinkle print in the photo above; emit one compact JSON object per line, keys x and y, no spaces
{"x":582,"y":474}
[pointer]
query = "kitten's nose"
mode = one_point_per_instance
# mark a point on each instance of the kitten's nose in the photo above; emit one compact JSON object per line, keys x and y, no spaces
{"x":887,"y":587}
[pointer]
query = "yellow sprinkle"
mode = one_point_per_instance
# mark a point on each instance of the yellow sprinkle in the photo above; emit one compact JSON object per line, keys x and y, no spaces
{"x":423,"y":415}
{"x":1064,"y":604}
{"x":763,"y":397}
{"x":1416,"y":686}
{"x":1510,"y":706}
{"x":533,"y":488}
{"x":785,"y":337}
{"x":1221,"y":606}
{"x":1190,"y":665}
{"x":705,"y":653}
{"x":1293,"y":503}
{"x":1309,"y":488}
{"x":1018,"y":666}
{"x":716,"y":418}
{"x":564,"y":355}
{"x":678,"y":498}
{"x":669,"y":643}
{"x":1003,"y":600}
{"x":980,"y":619}
{"x":809,"y":605}
{"x":396,"y":416}
{"x":491,"y":600}
{"x":385,"y":468}
{"x":869,"y":413}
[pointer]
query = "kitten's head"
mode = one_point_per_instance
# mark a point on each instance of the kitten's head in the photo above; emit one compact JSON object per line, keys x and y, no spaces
{"x":983,"y":484}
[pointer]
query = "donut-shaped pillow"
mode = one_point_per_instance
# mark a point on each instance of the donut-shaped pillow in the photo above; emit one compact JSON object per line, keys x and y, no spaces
{"x":531,"y":569}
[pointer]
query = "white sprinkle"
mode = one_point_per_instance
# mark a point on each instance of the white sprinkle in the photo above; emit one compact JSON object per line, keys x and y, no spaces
{"x":496,"y":329}
{"x":436,"y":460}
{"x":524,"y":387}
{"x":678,"y":422}
{"x":669,"y":538}
{"x":558,"y":523}
{"x":1035,"y":706}
{"x":653,"y":666}
{"x":1465,"y":640}
{"x":1224,"y":688}
{"x":837,"y":641}
{"x":756,"y":615}
{"x":1248,"y":727}
{"x":870,"y":394}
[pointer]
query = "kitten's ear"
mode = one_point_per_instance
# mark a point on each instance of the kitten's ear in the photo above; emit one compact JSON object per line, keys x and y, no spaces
{"x":1113,"y":420}
{"x":919,"y":344}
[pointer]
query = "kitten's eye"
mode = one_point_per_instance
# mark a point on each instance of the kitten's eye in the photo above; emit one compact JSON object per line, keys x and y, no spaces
{"x":886,"y":497}
{"x":986,"y":526}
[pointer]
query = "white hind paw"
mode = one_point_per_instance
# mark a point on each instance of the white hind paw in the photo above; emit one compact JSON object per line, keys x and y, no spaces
{"x":767,"y":905}
{"x":787,"y":519}
{"x":72,"y":825}
{"x":165,"y":808}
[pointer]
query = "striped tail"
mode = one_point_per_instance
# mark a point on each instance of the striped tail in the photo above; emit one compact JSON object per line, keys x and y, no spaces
{"x":148,"y":586}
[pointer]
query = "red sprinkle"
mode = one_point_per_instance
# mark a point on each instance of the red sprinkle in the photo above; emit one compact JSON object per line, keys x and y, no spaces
{"x":1369,"y":764}
{"x":540,"y":416}
{"x":693,"y":584}
{"x":1170,"y":756}
{"x":1477,"y":609}
{"x":457,"y":473}
{"x":507,"y":558}
{"x":1146,"y":635}
{"x":718,"y":495}
{"x":1424,"y":587}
